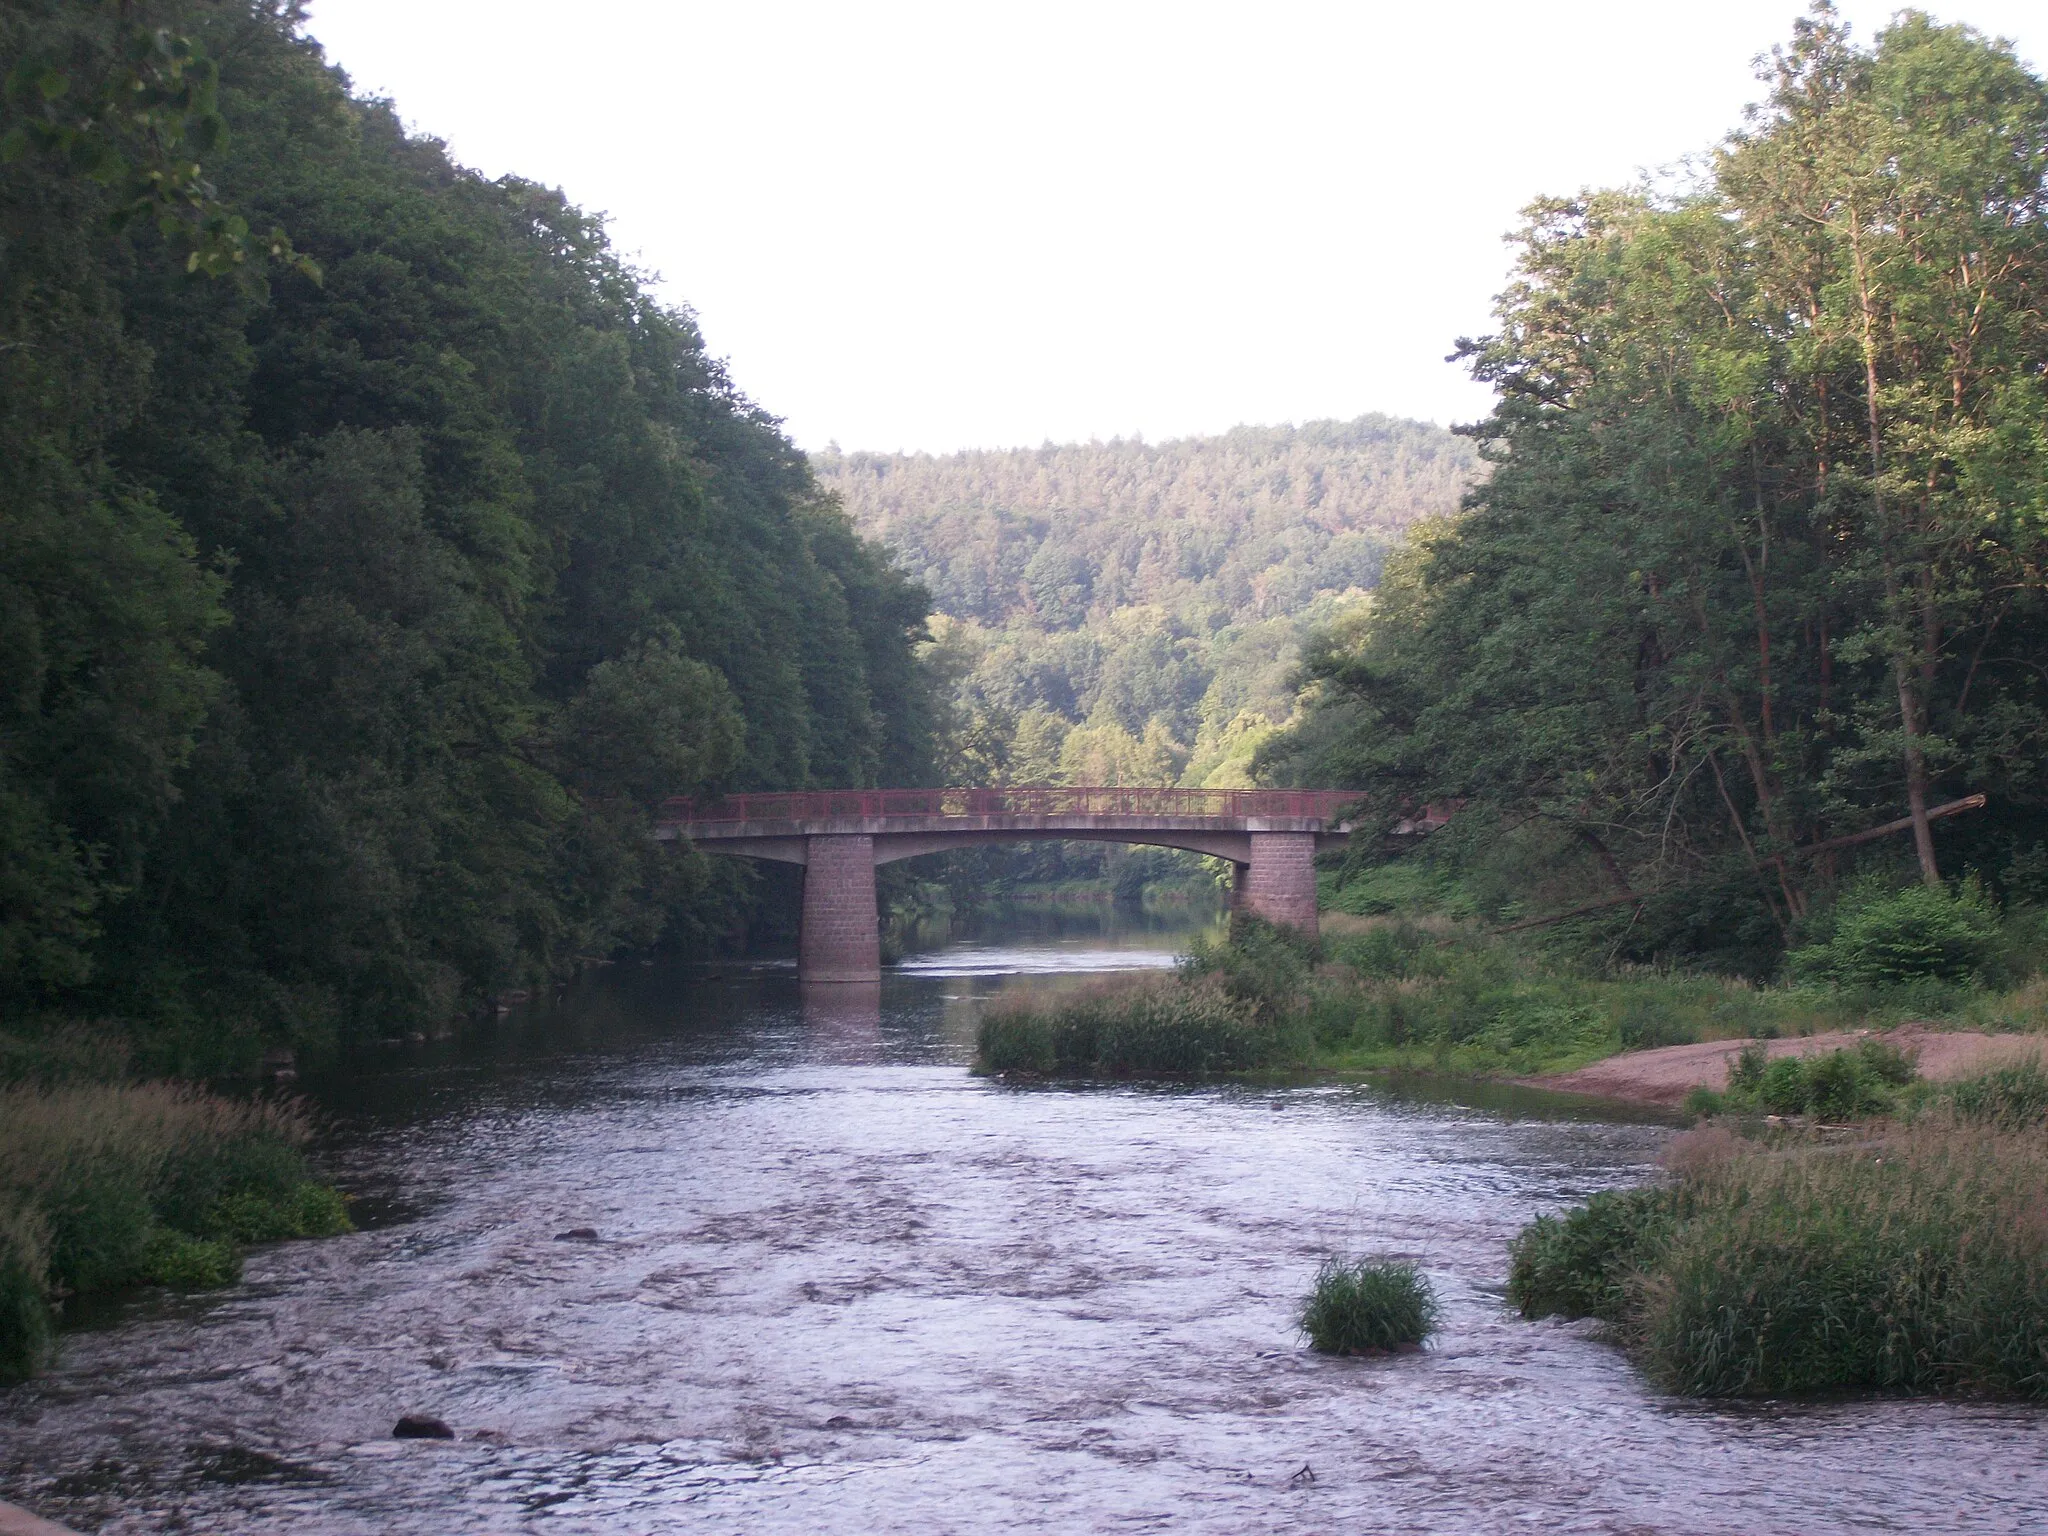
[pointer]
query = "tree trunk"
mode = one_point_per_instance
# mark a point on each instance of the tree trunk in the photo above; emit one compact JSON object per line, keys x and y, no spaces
{"x":1902,"y":665}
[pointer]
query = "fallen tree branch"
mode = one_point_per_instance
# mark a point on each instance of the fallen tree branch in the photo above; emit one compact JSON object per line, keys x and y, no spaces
{"x":1935,"y":813}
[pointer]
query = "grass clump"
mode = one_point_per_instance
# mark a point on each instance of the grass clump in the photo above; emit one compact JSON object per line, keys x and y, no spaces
{"x":1914,"y":1263}
{"x":1849,"y":1084}
{"x":1154,"y":1027}
{"x":109,"y":1185}
{"x":188,"y":1263}
{"x":2013,"y":1097}
{"x":1580,"y":1264}
{"x":1369,"y":1307}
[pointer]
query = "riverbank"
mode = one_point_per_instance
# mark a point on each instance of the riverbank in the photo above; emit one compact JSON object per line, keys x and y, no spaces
{"x":107,"y":1186}
{"x":1909,"y":1258}
{"x":1666,"y":1075}
{"x":1443,"y":996}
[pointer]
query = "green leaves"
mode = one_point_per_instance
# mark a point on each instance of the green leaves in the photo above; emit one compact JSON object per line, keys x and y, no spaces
{"x":1767,"y":464}
{"x":139,"y":131}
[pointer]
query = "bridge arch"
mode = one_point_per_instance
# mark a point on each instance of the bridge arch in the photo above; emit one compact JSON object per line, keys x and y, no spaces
{"x":839,"y":837}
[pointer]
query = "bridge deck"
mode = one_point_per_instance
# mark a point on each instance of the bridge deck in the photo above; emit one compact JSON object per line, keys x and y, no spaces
{"x":868,"y":809}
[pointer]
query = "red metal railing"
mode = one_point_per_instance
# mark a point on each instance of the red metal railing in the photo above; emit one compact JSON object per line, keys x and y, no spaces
{"x":833,"y":804}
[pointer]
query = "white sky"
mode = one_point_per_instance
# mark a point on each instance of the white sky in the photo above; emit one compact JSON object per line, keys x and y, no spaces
{"x":986,"y":223}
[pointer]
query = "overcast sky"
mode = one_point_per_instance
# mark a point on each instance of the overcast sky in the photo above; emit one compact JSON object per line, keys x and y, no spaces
{"x":984,"y":223}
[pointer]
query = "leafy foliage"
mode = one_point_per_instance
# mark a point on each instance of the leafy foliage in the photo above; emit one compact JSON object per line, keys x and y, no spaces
{"x":1128,"y":612}
{"x":1761,"y":561}
{"x":1845,"y":1084}
{"x":1881,"y":940}
{"x":350,"y":627}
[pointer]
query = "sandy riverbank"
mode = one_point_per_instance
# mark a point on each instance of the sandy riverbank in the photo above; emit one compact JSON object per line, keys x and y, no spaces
{"x":1666,"y":1075}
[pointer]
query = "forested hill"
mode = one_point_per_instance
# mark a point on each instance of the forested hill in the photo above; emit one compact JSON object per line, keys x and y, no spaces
{"x":362,"y":584}
{"x":1148,"y":591}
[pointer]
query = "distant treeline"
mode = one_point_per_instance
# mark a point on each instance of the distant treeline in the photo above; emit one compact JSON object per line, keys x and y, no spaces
{"x":374,"y":549}
{"x":1130,"y":611}
{"x":1762,"y":563}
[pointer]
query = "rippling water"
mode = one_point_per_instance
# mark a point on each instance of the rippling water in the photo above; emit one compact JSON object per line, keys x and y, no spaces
{"x":839,"y":1285}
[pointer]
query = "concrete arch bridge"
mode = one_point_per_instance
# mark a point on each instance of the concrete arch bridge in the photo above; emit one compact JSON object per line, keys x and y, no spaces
{"x":1271,"y":835}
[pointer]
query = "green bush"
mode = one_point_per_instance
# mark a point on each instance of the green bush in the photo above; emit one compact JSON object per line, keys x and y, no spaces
{"x":1264,"y":967}
{"x":1703,"y":1103}
{"x":1847,"y":1084}
{"x":1392,"y":952}
{"x":1580,"y":1264}
{"x":1369,"y":1307}
{"x":1922,"y":933}
{"x":188,"y":1263}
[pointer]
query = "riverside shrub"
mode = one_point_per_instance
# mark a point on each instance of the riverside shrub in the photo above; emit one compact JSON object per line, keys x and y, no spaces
{"x":1915,"y":1264}
{"x":1369,"y":1307}
{"x":1853,"y":1083}
{"x":1579,"y":1264}
{"x":103,"y":1186}
{"x":1923,"y":933}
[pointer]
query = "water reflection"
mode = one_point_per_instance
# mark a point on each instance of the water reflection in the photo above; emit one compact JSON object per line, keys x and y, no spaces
{"x":840,"y":1285}
{"x":849,"y":1014}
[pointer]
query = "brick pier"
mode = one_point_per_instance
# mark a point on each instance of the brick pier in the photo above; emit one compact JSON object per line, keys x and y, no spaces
{"x":1279,"y":884}
{"x":841,"y":939}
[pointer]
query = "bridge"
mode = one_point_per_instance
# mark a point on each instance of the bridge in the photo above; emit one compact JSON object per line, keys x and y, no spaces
{"x":1271,"y":836}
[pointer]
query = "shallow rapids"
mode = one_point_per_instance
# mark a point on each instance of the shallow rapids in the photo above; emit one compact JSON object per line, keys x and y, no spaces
{"x":839,"y":1285}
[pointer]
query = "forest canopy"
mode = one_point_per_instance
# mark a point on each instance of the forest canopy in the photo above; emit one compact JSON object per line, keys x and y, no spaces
{"x":1760,"y":564}
{"x":375,"y":549}
{"x":1132,"y":612}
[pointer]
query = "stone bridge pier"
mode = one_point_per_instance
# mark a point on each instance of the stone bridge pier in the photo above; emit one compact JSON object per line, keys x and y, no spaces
{"x":841,"y":936}
{"x":1271,"y":837}
{"x":1278,"y":882}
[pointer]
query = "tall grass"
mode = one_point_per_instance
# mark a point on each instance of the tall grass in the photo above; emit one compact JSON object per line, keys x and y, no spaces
{"x":1439,"y":996}
{"x":1369,"y":1307}
{"x":1154,"y":1027}
{"x":1913,"y":1261}
{"x":106,"y":1185}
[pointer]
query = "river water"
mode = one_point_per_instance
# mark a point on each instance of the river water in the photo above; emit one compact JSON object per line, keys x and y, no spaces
{"x":840,"y":1285}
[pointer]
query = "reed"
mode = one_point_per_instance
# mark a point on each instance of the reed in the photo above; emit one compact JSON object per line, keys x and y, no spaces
{"x":109,"y":1185}
{"x":1164,"y":1026}
{"x":1914,"y":1260}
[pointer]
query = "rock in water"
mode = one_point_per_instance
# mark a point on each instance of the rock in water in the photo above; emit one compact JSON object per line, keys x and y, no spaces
{"x":577,"y":1235}
{"x":420,"y":1426}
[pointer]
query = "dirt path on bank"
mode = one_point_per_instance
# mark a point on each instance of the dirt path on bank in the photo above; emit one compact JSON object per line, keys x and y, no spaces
{"x":1665,"y":1076}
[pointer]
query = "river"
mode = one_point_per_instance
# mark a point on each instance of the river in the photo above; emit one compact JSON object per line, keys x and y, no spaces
{"x":837,"y":1284}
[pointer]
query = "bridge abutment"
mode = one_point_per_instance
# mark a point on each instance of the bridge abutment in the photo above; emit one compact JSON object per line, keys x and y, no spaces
{"x":1279,"y":884}
{"x":841,"y":938}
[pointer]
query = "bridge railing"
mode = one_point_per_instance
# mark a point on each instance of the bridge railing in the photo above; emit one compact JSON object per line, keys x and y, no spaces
{"x":867,"y":804}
